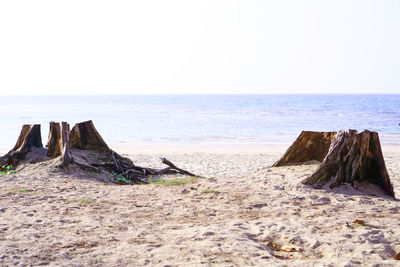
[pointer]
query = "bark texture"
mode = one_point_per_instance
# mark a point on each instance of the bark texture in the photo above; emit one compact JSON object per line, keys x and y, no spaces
{"x":85,"y":136}
{"x":84,"y":147}
{"x":29,"y":137}
{"x":58,"y":142}
{"x":308,"y":146}
{"x":91,"y":152}
{"x":354,"y":158}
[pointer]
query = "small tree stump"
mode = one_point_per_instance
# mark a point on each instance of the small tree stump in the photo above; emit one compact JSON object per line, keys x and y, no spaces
{"x":308,"y":146}
{"x":58,"y":142}
{"x":354,"y":158}
{"x":29,"y":137}
{"x":85,"y":136}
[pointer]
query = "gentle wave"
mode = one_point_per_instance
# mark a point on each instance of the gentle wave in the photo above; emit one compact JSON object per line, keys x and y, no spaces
{"x":269,"y":119}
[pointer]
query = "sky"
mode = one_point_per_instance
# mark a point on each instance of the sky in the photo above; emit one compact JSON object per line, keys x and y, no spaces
{"x":199,"y":47}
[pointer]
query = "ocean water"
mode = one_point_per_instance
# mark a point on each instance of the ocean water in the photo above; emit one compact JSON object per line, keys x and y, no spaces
{"x":233,"y":119}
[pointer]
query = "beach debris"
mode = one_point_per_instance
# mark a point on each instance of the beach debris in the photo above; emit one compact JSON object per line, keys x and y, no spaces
{"x":84,"y":147}
{"x":185,"y":191}
{"x":317,"y":244}
{"x":354,"y":158}
{"x":173,"y":167}
{"x":359,"y":221}
{"x":290,"y":250}
{"x":308,"y":146}
{"x":397,"y":256}
{"x":282,"y":251}
{"x":348,"y":225}
{"x":274,"y":246}
{"x":29,"y":138}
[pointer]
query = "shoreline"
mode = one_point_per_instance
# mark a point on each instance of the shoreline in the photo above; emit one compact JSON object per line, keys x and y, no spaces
{"x":233,"y":148}
{"x":199,"y":148}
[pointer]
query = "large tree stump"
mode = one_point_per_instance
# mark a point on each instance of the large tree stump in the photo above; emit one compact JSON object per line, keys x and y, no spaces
{"x":85,"y":136}
{"x":95,"y":154}
{"x":307,"y":147}
{"x":29,"y":137}
{"x":356,"y":159}
{"x":58,"y":142}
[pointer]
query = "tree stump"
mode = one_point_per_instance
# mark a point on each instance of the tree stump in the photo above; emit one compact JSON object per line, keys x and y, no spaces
{"x":308,"y":146}
{"x":354,"y":158}
{"x":29,"y":137}
{"x":95,"y":154}
{"x":58,"y":142}
{"x":85,"y":136}
{"x":84,"y":148}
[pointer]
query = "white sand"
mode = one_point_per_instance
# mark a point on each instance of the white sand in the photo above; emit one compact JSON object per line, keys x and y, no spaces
{"x":251,"y":215}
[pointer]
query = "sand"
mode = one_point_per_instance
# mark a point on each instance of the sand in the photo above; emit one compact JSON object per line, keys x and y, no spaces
{"x":244,"y":213}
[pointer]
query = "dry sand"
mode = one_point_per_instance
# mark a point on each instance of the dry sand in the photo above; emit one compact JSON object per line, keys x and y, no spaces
{"x":246,"y":214}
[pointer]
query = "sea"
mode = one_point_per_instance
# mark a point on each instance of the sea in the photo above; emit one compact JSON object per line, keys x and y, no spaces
{"x":204,"y":119}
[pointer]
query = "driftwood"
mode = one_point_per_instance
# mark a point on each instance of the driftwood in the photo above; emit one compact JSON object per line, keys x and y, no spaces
{"x":173,"y":167}
{"x":307,"y":147}
{"x":356,"y":159}
{"x":29,"y":138}
{"x":84,"y":147}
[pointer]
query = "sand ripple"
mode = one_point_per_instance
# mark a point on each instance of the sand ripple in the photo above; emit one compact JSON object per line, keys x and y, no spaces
{"x":247,"y":214}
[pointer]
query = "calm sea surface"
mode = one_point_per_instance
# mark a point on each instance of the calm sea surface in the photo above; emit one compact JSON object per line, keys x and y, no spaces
{"x":266,"y":119}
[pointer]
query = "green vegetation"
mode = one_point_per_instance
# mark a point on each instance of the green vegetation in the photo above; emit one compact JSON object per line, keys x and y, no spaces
{"x":209,"y":191}
{"x":7,"y":170}
{"x":99,"y":260}
{"x":119,"y":178}
{"x":85,"y":201}
{"x":15,"y":191}
{"x":176,"y":181}
{"x":212,"y":179}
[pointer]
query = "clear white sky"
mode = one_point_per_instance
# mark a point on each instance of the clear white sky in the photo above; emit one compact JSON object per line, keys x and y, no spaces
{"x":216,"y":46}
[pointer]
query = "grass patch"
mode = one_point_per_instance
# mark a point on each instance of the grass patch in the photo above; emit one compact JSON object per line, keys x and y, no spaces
{"x":209,"y":191}
{"x":7,"y":170}
{"x":212,"y":179}
{"x":119,"y":179}
{"x":84,"y":202}
{"x":176,"y":181}
{"x":99,"y":260}
{"x":15,"y":191}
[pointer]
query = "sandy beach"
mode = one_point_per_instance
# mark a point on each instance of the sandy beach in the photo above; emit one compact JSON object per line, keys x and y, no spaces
{"x":144,"y":133}
{"x":243,"y":213}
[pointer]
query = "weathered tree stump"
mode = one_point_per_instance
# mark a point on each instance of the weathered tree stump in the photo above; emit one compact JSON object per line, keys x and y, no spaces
{"x":58,"y":142}
{"x":307,"y":147}
{"x":90,"y":151}
{"x":29,"y":137}
{"x":82,"y":147}
{"x":85,"y":136}
{"x":356,"y":159}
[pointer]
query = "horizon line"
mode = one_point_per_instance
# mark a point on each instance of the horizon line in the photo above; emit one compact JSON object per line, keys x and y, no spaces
{"x":196,"y":94}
